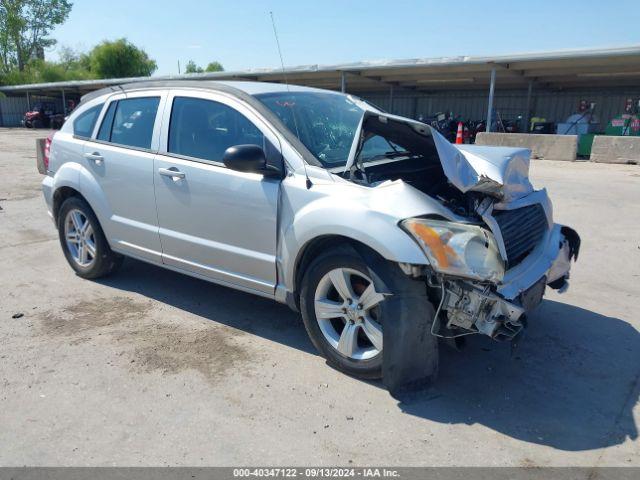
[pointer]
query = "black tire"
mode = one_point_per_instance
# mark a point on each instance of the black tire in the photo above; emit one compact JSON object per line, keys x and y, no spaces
{"x":388,"y":278}
{"x":105,"y":261}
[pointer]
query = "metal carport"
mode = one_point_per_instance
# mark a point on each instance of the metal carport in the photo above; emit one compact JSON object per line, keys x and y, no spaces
{"x":547,"y":83}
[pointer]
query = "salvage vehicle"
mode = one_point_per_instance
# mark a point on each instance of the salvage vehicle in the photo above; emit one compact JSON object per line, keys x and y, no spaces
{"x":386,"y":237}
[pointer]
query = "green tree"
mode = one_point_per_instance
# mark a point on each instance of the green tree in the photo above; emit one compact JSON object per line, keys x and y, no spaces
{"x":5,"y":45}
{"x":120,"y":58}
{"x":191,"y":67}
{"x":214,"y":67}
{"x":24,"y":29}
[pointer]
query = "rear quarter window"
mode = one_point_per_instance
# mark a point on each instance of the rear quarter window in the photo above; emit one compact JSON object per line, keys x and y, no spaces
{"x":84,"y":123}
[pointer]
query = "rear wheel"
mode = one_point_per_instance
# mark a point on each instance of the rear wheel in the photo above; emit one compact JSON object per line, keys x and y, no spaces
{"x":83,"y":242}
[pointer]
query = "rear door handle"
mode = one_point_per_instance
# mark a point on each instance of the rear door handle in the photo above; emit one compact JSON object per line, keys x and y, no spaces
{"x":95,"y":157}
{"x":172,"y":172}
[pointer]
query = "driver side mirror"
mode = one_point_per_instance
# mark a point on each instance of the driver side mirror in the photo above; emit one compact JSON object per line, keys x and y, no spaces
{"x":249,"y":158}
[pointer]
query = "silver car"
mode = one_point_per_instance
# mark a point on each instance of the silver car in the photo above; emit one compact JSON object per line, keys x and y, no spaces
{"x":386,"y":237}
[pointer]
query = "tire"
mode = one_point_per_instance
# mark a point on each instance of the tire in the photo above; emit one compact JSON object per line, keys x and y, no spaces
{"x":87,"y":250}
{"x":386,"y":278}
{"x":37,"y":123}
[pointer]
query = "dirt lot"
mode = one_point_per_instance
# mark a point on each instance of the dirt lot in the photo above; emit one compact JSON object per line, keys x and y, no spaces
{"x":150,"y":367}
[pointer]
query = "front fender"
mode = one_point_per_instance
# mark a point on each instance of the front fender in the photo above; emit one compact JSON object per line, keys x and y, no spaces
{"x":325,"y":217}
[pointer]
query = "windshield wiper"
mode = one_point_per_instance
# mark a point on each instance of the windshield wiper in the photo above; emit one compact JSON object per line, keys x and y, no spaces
{"x":394,"y":154}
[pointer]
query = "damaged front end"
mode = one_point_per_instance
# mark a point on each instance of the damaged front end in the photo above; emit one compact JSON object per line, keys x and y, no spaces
{"x":488,"y":300}
{"x":491,"y":260}
{"x":499,"y":309}
{"x":468,"y":309}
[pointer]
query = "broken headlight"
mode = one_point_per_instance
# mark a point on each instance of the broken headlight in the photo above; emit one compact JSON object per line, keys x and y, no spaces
{"x":457,"y":249}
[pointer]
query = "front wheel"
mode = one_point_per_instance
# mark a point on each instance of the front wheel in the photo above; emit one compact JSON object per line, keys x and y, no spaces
{"x":346,"y":306}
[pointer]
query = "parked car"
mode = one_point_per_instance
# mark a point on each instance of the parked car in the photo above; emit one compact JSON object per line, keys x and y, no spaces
{"x":381,"y":233}
{"x":43,"y":115}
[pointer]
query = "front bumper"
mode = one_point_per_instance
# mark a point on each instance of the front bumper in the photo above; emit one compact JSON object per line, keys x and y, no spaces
{"x":499,"y":311}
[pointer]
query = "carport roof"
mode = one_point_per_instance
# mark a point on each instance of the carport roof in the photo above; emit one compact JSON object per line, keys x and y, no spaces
{"x":568,"y":69}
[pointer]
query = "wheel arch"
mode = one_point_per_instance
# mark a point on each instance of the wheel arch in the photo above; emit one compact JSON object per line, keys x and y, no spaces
{"x":73,"y":179}
{"x":323,"y":243}
{"x":60,"y":195}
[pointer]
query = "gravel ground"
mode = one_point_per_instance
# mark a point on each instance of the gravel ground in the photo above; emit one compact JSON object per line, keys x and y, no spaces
{"x":149,"y":367}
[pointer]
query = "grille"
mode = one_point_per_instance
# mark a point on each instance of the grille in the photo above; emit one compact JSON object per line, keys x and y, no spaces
{"x":522,"y":230}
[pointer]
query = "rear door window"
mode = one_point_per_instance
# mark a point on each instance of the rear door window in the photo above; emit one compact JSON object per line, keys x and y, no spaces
{"x":205,"y":129}
{"x":133,"y":122}
{"x":84,"y":123}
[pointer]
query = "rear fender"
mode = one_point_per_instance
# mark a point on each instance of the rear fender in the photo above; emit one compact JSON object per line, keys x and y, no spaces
{"x":74,"y":175}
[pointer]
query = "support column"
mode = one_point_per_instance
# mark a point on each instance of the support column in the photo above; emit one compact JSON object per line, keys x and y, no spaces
{"x":391,"y":98}
{"x":28,"y":102}
{"x":64,"y":103}
{"x":343,"y":82}
{"x":527,"y":116}
{"x":492,"y":87}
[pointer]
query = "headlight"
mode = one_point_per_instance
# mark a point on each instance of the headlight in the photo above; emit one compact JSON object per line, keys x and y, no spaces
{"x":457,"y":249}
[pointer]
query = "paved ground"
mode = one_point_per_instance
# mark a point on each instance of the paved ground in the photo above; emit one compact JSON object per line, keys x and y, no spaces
{"x":151,"y":368}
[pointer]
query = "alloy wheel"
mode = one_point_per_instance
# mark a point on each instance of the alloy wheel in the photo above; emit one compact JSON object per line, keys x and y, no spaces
{"x":347,"y":310}
{"x":80,"y":238}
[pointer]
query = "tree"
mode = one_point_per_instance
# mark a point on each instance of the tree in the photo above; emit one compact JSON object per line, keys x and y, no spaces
{"x":120,"y":58}
{"x":24,"y":26}
{"x":214,"y":67}
{"x":5,"y":46}
{"x":191,"y":67}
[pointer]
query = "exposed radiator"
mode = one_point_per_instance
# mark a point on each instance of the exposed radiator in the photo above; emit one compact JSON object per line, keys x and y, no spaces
{"x":522,"y":230}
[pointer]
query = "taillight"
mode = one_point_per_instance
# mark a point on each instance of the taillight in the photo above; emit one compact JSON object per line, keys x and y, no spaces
{"x":47,"y":150}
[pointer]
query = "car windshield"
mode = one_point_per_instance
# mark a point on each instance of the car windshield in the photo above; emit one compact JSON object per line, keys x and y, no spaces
{"x":325,"y":123}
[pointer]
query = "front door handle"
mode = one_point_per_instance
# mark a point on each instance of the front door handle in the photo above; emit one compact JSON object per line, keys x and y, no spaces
{"x":95,"y":157}
{"x":172,"y":172}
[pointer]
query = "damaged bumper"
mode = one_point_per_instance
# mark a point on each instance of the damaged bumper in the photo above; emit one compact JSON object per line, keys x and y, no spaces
{"x":500,"y":311}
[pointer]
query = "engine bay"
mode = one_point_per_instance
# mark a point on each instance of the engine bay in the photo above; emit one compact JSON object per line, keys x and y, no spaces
{"x":389,"y":150}
{"x":423,"y":174}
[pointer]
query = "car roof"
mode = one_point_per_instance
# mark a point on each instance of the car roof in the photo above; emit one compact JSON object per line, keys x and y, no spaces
{"x":257,"y":88}
{"x":231,"y":86}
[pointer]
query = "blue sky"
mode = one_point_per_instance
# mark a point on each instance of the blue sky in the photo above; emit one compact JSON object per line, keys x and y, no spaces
{"x":239,"y":35}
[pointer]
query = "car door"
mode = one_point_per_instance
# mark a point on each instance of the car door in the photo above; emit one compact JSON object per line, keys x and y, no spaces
{"x":120,"y":158}
{"x":215,"y":222}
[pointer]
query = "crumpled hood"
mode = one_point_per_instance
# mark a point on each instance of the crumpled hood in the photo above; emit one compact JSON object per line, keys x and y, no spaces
{"x":502,"y":172}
